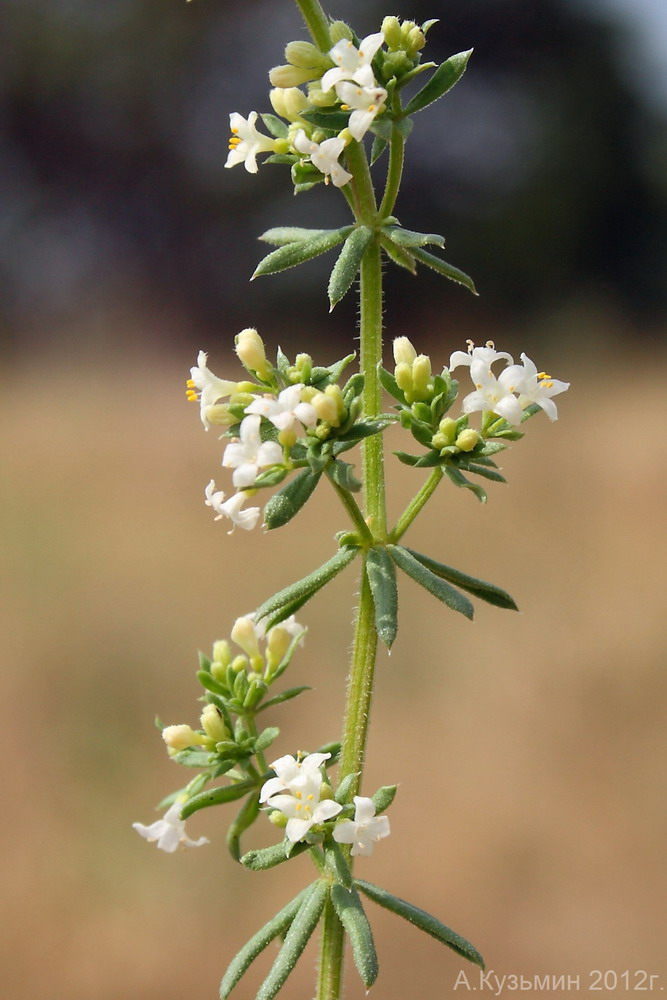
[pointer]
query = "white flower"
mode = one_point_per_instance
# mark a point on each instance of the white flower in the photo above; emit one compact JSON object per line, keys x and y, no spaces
{"x":246,"y":142}
{"x":364,"y":830}
{"x":206,"y":387}
{"x":287,"y":412}
{"x":246,"y":519}
{"x":250,"y":454}
{"x":487,"y":354}
{"x":169,"y":831}
{"x":353,"y":63}
{"x":495,"y":394}
{"x":538,"y":387}
{"x":325,"y":156}
{"x":295,"y":792}
{"x":367,"y":102}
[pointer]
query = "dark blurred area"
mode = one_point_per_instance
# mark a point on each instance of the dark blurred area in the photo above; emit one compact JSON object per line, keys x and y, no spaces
{"x":544,"y":169}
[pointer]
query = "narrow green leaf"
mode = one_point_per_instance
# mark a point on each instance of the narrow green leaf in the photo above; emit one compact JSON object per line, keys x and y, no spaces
{"x":284,"y":696}
{"x":303,"y":589}
{"x":361,"y":429}
{"x":282,"y":235}
{"x":342,"y":473}
{"x":298,"y":252}
{"x":480,"y":588}
{"x":288,"y":501}
{"x":442,"y":267}
{"x":378,"y":148}
{"x":276,"y":927}
{"x":382,"y":580}
{"x":389,"y":383}
{"x":408,"y":238}
{"x":421,"y":919}
{"x":439,"y":588}
{"x":276,"y":126}
{"x":266,"y":738}
{"x":268,"y":857}
{"x":345,"y":787}
{"x":285,"y":158}
{"x":398,"y":255}
{"x":216,"y":797}
{"x":245,"y":819}
{"x":296,"y":939}
{"x":384,"y":797}
{"x":193,"y":758}
{"x":336,"y":370}
{"x":460,"y":480}
{"x":336,"y":859}
{"x":351,"y":915}
{"x":478,"y":469}
{"x":348,"y":263}
{"x":332,"y":121}
{"x":444,"y":78}
{"x":210,"y":683}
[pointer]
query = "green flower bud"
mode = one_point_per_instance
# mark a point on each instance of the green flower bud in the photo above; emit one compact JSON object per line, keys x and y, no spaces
{"x":340,"y":30}
{"x":321,"y":98}
{"x":222,"y":654}
{"x":304,"y":54}
{"x":245,"y":636}
{"x":239,"y":664}
{"x":406,"y":28}
{"x":212,"y":724}
{"x":467,"y":439}
{"x":391,"y":29}
{"x":403,"y":376}
{"x":422,"y":376}
{"x":291,"y":76}
{"x":448,"y":428}
{"x":220,"y":415}
{"x":278,"y":819}
{"x":396,"y":64}
{"x":303,"y":364}
{"x":251,"y":352}
{"x":326,"y":409}
{"x":415,"y":41}
{"x":335,"y":393}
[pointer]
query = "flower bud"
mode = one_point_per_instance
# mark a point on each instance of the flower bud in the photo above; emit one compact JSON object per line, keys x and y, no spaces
{"x":213,"y":725}
{"x":182,"y":737}
{"x":222,"y":654}
{"x":251,"y":352}
{"x":325,"y":408}
{"x":391,"y":29}
{"x":244,"y":635}
{"x":277,"y":644}
{"x":396,"y":64}
{"x":415,"y":41}
{"x":219,"y":414}
{"x":467,"y":439}
{"x":278,"y":819}
{"x":421,"y":376}
{"x":303,"y":366}
{"x":335,"y":393}
{"x":291,"y":76}
{"x":404,"y":352}
{"x":447,"y":427}
{"x":292,"y":101}
{"x":239,"y":664}
{"x":339,"y":30}
{"x":403,"y":376}
{"x":303,"y":54}
{"x":321,"y":98}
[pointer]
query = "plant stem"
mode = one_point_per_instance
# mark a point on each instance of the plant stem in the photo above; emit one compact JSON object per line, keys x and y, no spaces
{"x":316,"y":22}
{"x":352,"y":508}
{"x":416,"y":504}
{"x":330,"y":971}
{"x":394,"y":173}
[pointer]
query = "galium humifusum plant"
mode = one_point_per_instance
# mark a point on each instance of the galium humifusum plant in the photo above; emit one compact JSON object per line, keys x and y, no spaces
{"x":338,"y":110}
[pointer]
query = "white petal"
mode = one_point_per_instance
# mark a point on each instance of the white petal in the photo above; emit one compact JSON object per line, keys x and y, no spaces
{"x":345,"y":832}
{"x":364,"y":809}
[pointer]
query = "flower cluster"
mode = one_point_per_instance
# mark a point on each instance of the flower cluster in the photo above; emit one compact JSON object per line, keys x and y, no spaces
{"x":347,"y":89}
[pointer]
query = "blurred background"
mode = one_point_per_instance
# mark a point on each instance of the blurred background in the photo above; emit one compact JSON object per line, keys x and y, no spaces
{"x":530,"y":748}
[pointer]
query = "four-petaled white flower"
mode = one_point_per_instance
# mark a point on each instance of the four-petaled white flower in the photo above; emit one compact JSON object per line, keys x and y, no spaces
{"x":325,"y":156}
{"x":287,"y":412}
{"x":290,"y":770}
{"x":232,"y":508}
{"x":364,"y":830}
{"x":295,"y":792}
{"x":169,"y":831}
{"x":538,"y":387}
{"x":495,"y":394}
{"x":367,"y":102}
{"x":246,"y":142}
{"x":353,"y":63}
{"x":206,"y":387}
{"x":488,"y":354}
{"x":250,"y":454}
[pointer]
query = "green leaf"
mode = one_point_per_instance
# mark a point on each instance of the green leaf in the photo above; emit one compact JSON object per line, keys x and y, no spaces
{"x":210,"y":683}
{"x":480,"y":588}
{"x":343,"y":475}
{"x":398,"y":255}
{"x":351,"y":915}
{"x":410,"y":239}
{"x":442,"y":267}
{"x":481,"y":470}
{"x":428,"y":461}
{"x":276,"y":927}
{"x":444,"y":78}
{"x":282,"y":235}
{"x":268,"y":857}
{"x":288,"y":501}
{"x":285,"y":158}
{"x":216,"y":797}
{"x":378,"y":148}
{"x":332,"y":121}
{"x":303,"y":590}
{"x":296,"y":939}
{"x":424,"y":921}
{"x":336,"y":370}
{"x":299,"y":251}
{"x":460,"y":480}
{"x":345,"y":787}
{"x":266,"y":738}
{"x":439,"y":588}
{"x":389,"y":383}
{"x":284,"y":696}
{"x":348,"y":263}
{"x":276,"y":126}
{"x":359,"y":430}
{"x":245,"y":819}
{"x":384,"y":797}
{"x":194,"y":758}
{"x":382,"y":580}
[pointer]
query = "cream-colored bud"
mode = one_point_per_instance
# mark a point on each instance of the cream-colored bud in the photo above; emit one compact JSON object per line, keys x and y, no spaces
{"x":404,"y":352}
{"x":277,"y":98}
{"x":325,"y":791}
{"x":467,"y":439}
{"x":422,"y":376}
{"x":239,"y":664}
{"x":213,"y":725}
{"x":251,"y":352}
{"x":287,"y":437}
{"x":336,"y":393}
{"x":415,"y":41}
{"x":447,"y":427}
{"x":391,"y":29}
{"x":308,"y":393}
{"x":182,"y":737}
{"x":321,"y":98}
{"x":303,"y":54}
{"x":288,"y":102}
{"x":340,"y":30}
{"x":346,"y":136}
{"x":303,"y":364}
{"x":218,"y":414}
{"x":403,"y":376}
{"x":277,"y":644}
{"x":245,"y":636}
{"x":325,"y":407}
{"x":222,"y":654}
{"x":277,"y":818}
{"x":291,"y":76}
{"x":407,"y":27}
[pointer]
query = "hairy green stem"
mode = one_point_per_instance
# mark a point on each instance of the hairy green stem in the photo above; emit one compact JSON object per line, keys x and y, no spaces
{"x":352,"y":508}
{"x":330,"y":970}
{"x":316,"y":22}
{"x":416,"y":504}
{"x":394,"y":173}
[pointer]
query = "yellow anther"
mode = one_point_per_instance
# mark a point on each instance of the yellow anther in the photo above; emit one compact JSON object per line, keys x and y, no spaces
{"x":310,"y":798}
{"x":190,"y":383}
{"x":235,"y":131}
{"x":372,"y":108}
{"x":297,"y":795}
{"x":543,"y":375}
{"x":345,"y":107}
{"x":491,"y":344}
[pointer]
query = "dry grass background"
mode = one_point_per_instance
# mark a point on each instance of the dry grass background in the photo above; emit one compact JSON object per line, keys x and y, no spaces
{"x":530,"y":749}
